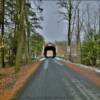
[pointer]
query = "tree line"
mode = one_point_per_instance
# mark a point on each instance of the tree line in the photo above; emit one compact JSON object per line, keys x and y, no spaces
{"x":18,"y":24}
{"x":19,"y":39}
{"x":81,"y":21}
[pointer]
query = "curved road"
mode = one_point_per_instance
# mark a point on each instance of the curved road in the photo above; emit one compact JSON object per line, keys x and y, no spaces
{"x":54,"y":81}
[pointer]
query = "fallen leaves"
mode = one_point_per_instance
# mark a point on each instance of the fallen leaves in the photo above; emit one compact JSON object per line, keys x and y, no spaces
{"x":11,"y":83}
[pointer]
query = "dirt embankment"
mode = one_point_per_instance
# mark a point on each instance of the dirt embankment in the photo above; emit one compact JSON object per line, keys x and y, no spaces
{"x":11,"y":83}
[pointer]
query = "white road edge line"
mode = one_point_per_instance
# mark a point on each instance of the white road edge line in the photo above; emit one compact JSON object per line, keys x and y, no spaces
{"x":42,"y":59}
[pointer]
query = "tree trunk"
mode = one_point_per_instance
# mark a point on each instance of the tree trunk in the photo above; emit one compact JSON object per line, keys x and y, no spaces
{"x":2,"y":32}
{"x":78,"y":39}
{"x":99,"y":19}
{"x":21,"y":33}
{"x":69,"y":28}
{"x":27,"y":37}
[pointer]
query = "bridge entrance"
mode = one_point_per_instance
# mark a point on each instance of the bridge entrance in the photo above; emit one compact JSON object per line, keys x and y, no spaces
{"x":50,"y":50}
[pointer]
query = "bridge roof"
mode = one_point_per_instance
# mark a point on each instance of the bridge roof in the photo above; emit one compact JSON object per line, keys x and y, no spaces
{"x":49,"y":44}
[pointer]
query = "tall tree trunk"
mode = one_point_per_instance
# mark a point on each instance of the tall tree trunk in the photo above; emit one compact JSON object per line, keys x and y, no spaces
{"x":0,"y":12}
{"x":69,"y":29}
{"x":99,"y":19}
{"x":78,"y":38}
{"x":2,"y":32}
{"x":21,"y":33}
{"x":27,"y":37}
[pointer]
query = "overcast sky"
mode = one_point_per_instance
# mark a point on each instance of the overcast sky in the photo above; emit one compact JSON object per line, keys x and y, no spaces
{"x":52,"y":29}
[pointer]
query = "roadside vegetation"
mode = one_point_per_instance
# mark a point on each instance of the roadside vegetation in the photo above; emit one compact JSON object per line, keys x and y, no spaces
{"x":19,"y":41}
{"x":91,"y":49}
{"x":19,"y":22}
{"x":83,"y":29}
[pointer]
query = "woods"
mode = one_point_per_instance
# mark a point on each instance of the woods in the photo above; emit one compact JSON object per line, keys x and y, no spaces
{"x":41,"y":58}
{"x":82,"y":21}
{"x":91,"y":41}
{"x":18,"y":24}
{"x":71,"y":15}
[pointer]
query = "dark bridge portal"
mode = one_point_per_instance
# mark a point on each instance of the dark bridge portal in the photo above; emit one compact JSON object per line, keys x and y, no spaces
{"x":50,"y":47}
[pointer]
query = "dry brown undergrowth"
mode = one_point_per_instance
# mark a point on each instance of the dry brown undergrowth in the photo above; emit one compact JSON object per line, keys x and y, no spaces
{"x":11,"y":82}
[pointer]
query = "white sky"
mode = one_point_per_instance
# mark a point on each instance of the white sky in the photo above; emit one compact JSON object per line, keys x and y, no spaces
{"x":52,"y":30}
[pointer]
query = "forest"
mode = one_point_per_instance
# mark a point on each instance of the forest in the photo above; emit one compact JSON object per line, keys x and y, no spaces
{"x":19,"y":39}
{"x":22,"y":41}
{"x":83,"y":28}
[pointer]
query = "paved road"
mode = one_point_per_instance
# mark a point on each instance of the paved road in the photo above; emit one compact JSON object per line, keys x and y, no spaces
{"x":54,"y":81}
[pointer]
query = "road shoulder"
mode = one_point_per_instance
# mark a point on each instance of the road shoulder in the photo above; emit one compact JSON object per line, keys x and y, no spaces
{"x":88,"y":73}
{"x":21,"y":79}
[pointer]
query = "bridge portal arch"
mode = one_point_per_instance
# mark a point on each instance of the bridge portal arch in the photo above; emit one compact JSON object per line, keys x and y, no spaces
{"x":50,"y":50}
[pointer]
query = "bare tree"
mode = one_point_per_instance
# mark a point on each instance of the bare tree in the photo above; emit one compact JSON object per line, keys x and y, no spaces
{"x":87,"y":21}
{"x":70,"y":16}
{"x":78,"y":37}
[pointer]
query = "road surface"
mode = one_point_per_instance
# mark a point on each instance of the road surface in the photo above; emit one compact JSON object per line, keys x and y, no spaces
{"x":55,"y":81}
